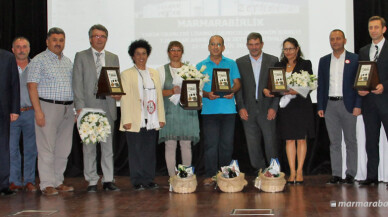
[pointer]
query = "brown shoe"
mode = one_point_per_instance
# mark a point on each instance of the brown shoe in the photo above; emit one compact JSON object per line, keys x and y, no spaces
{"x":208,"y":181}
{"x":65,"y":188}
{"x":14,"y":187}
{"x":30,"y":187}
{"x":49,"y":191}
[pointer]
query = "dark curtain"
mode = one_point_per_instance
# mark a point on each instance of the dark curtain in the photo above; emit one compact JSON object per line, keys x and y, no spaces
{"x":23,"y":18}
{"x":362,"y":11}
{"x":29,"y":19}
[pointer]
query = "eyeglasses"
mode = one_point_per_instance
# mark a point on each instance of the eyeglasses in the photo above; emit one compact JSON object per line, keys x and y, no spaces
{"x":289,"y":49}
{"x":175,"y":50}
{"x":99,"y":36}
{"x":216,"y":44}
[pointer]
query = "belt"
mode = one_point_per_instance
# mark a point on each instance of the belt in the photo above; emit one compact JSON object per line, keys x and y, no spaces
{"x":24,"y":109}
{"x":57,"y":101}
{"x":335,"y":98}
{"x":100,"y":97}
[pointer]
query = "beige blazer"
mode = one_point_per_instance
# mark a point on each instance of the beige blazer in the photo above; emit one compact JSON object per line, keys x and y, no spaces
{"x":130,"y":103}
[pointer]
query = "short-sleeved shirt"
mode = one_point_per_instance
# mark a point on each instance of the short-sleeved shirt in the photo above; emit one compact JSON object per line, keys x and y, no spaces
{"x":220,"y":105}
{"x":53,"y":76}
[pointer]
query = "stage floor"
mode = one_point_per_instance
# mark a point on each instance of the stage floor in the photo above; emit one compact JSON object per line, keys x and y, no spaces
{"x":314,"y":198}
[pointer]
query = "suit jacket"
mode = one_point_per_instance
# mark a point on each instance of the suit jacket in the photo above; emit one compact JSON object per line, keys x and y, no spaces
{"x":130,"y":102}
{"x":246,"y":97}
{"x":85,"y":79}
{"x":351,"y":98}
{"x":380,"y":100}
{"x":9,"y":85}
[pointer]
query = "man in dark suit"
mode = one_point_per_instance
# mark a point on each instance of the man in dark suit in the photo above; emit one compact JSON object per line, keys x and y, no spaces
{"x":257,"y":112}
{"x":9,"y":112}
{"x":340,"y":105}
{"x":87,"y":67}
{"x":375,"y":102}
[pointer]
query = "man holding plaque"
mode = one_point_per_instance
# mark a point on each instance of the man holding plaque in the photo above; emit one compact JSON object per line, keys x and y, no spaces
{"x":375,"y":102}
{"x":87,"y":68}
{"x":339,"y":104}
{"x":218,"y":113}
{"x":257,"y":112}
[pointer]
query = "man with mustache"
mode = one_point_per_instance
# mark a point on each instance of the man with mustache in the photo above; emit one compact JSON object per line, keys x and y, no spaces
{"x":49,"y":84}
{"x":25,"y":125}
{"x":256,"y":111}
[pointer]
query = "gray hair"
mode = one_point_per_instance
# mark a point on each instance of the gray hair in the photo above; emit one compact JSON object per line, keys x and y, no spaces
{"x":98,"y":27}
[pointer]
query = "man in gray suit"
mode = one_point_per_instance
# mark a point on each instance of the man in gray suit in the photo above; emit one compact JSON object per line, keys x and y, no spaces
{"x":87,"y":67}
{"x":257,"y":111}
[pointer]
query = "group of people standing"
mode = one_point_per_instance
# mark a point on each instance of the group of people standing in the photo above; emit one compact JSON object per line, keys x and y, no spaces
{"x":43,"y":99}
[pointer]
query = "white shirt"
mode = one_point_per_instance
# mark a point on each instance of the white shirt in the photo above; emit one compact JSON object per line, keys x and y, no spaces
{"x":336,"y":74}
{"x":256,"y":66}
{"x":162,"y":74}
{"x":372,"y":50}
{"x":102,"y":57}
{"x":144,"y":81}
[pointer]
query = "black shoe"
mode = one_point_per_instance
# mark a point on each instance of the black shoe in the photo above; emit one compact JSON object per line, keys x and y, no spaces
{"x":369,"y":182}
{"x":139,"y":187}
{"x":152,"y":185}
{"x":91,"y":188}
{"x":291,"y":182}
{"x":6,"y":192}
{"x":349,"y":179}
{"x":110,"y":186}
{"x":335,"y":180}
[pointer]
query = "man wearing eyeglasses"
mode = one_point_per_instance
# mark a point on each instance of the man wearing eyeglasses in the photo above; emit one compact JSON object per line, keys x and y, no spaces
{"x":218,"y":113}
{"x":87,"y":68}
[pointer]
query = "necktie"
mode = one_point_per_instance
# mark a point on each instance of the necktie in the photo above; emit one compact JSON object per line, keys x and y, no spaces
{"x":98,"y":64}
{"x":376,"y":54}
{"x":98,"y":69}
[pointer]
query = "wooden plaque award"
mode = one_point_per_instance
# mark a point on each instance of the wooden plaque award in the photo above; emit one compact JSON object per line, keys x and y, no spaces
{"x":190,"y":98}
{"x":277,"y":82}
{"x":221,"y":82}
{"x":109,"y":82}
{"x":367,"y":77}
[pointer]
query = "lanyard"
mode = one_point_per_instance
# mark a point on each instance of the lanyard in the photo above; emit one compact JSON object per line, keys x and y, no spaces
{"x":142,"y":79}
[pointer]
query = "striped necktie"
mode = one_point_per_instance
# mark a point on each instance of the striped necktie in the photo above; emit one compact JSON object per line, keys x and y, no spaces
{"x":98,"y":63}
{"x":376,"y":54}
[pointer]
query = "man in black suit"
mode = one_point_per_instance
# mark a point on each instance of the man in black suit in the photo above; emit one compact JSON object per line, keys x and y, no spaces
{"x":375,"y":102}
{"x":257,"y":112}
{"x":9,"y":111}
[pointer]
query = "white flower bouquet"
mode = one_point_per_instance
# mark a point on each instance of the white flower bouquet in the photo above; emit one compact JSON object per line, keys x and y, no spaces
{"x":188,"y":72}
{"x":93,"y":126}
{"x":302,"y":82}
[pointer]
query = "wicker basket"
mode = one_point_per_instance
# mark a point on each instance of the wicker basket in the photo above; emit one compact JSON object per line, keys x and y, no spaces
{"x":270,"y":184}
{"x":183,"y":185}
{"x":229,"y":185}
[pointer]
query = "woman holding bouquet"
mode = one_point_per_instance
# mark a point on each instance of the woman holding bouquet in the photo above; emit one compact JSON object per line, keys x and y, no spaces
{"x":183,"y":125}
{"x":142,"y":114}
{"x":296,"y":119}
